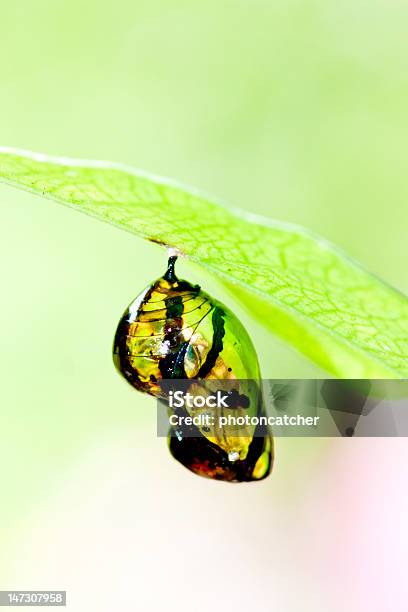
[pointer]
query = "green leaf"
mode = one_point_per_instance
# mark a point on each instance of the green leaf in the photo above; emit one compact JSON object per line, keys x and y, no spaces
{"x":299,"y":285}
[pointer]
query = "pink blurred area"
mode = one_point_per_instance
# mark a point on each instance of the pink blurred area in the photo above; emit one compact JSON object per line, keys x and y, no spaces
{"x":362,"y":545}
{"x":129,"y":528}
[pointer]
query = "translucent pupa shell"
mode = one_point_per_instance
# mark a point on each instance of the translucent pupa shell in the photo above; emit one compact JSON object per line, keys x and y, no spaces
{"x":175,"y":331}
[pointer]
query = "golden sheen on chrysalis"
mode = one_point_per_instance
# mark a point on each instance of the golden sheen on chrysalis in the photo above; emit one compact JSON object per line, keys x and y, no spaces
{"x":173,"y":330}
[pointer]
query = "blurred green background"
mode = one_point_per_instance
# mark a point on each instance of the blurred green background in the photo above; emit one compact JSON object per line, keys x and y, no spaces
{"x":294,"y":109}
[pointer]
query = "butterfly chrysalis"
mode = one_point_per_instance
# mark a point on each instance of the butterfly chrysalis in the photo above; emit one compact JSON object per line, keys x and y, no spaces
{"x":175,"y":331}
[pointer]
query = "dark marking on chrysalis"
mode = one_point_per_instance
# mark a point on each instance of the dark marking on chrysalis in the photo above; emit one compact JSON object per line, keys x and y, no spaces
{"x":170,"y":275}
{"x":217,"y":343}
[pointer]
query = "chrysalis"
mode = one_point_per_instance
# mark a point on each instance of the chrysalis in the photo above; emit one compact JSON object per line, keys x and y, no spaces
{"x":173,"y":330}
